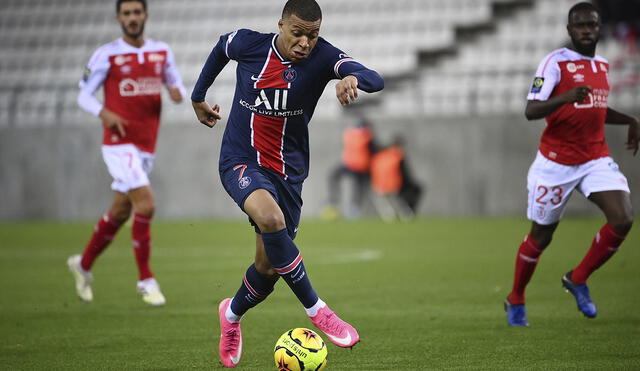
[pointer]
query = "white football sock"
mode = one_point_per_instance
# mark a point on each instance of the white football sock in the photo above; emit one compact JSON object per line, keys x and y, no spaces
{"x":311,"y":312}
{"x":231,"y":317}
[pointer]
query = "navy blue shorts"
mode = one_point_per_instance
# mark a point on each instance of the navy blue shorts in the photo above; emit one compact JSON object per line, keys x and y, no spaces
{"x":242,"y":179}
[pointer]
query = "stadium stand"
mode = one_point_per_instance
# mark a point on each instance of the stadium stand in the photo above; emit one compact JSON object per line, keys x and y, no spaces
{"x":439,"y":57}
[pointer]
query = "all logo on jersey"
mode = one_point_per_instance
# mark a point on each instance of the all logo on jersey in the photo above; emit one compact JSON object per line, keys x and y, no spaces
{"x":537,"y":84}
{"x":244,"y":182}
{"x":289,"y":75}
{"x":578,"y":77}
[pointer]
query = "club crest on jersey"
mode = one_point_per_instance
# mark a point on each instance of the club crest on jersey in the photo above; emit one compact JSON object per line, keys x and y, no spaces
{"x":537,"y":84}
{"x":289,"y":75}
{"x":244,"y":182}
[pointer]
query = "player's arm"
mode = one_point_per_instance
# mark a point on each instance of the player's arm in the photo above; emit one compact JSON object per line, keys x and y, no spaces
{"x":94,"y":75}
{"x":217,"y":60}
{"x":537,"y":109}
{"x":355,"y":76}
{"x":633,"y":135}
{"x":173,"y":80}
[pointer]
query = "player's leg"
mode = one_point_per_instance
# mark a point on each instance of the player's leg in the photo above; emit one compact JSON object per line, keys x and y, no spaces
{"x":607,"y":187}
{"x":530,"y":249}
{"x":257,"y":284}
{"x":549,"y":186}
{"x":279,"y":248}
{"x":287,"y":262}
{"x":144,"y":207}
{"x":103,"y":233}
{"x":616,"y":206}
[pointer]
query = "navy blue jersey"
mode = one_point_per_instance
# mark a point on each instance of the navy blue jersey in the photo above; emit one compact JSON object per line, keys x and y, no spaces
{"x":275,"y":99}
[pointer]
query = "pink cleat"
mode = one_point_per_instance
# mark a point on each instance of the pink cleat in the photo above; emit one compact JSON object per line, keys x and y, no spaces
{"x":339,"y":332}
{"x":230,"y":337}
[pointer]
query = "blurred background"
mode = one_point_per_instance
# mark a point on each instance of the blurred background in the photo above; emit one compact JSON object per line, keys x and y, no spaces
{"x":457,"y":73}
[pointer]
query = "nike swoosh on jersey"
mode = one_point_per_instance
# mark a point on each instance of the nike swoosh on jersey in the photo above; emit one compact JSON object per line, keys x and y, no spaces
{"x":343,"y":341}
{"x":254,"y":78}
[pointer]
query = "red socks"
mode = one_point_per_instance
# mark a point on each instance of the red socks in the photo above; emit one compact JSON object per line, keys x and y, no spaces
{"x":604,"y":245}
{"x":103,"y":233}
{"x":141,"y":233}
{"x":526,"y":262}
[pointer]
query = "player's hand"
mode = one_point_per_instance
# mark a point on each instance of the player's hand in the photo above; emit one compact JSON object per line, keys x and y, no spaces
{"x":633,"y":136}
{"x":347,"y":90}
{"x":206,"y":115}
{"x":175,"y":94}
{"x":112,"y":121}
{"x":578,"y":94}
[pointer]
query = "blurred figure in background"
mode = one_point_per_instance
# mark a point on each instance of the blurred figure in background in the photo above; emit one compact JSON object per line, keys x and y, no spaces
{"x":358,"y":145}
{"x":398,"y":192}
{"x":132,"y":70}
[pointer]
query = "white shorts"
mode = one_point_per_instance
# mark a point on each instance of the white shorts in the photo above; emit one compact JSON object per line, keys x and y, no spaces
{"x":129,"y":166}
{"x":550,"y":185}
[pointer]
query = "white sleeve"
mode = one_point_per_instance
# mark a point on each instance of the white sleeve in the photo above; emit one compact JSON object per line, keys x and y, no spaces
{"x":172,"y":76}
{"x":546,"y":79}
{"x":94,"y":75}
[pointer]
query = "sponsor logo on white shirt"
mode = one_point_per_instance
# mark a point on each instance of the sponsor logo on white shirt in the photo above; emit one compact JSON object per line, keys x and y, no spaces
{"x":142,"y":86}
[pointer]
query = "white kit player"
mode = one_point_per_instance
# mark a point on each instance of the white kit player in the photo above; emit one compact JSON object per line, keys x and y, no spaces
{"x":132,"y":71}
{"x":570,"y":91}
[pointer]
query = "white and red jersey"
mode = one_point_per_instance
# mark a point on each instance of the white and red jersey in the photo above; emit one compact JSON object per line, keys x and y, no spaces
{"x":575,"y":132}
{"x":132,"y":79}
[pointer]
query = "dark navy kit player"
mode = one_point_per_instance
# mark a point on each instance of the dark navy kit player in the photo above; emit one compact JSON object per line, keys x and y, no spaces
{"x":264,"y":157}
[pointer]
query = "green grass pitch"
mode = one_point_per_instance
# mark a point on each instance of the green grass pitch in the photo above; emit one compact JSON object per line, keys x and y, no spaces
{"x":423,"y":295}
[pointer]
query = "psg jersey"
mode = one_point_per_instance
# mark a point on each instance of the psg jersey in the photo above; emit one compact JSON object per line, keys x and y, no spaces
{"x":275,"y":99}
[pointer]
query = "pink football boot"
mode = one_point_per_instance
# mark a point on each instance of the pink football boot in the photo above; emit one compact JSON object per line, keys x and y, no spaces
{"x":339,"y":332}
{"x":230,"y":337}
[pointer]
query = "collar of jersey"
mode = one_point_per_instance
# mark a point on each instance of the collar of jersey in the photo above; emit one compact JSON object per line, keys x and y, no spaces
{"x":577,"y":55}
{"x":127,"y":45}
{"x":275,"y":50}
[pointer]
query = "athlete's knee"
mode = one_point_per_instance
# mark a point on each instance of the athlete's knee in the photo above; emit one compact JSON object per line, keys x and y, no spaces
{"x":264,"y":267}
{"x":146,"y":208}
{"x":623,"y":224}
{"x":542,"y":235}
{"x":120,"y":216}
{"x":120,"y":213}
{"x":270,"y":222}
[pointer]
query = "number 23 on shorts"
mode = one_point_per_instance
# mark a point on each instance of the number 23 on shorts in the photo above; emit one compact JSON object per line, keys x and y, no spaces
{"x":551,"y":195}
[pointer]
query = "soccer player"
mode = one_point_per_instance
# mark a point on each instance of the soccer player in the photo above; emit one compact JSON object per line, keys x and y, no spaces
{"x":570,"y":90}
{"x":265,"y":153}
{"x":132,"y":70}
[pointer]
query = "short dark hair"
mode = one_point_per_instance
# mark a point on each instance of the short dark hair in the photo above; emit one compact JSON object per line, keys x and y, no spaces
{"x":119,"y":2}
{"x":307,"y":10}
{"x":584,"y":6}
